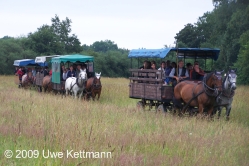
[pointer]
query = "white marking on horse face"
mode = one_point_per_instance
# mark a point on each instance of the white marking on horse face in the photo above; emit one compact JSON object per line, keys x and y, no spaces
{"x":97,"y":75}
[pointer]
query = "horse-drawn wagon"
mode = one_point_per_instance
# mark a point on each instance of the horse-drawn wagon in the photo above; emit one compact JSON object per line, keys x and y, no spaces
{"x":40,"y":75}
{"x":148,"y":85}
{"x":27,"y":78}
{"x":58,"y":84}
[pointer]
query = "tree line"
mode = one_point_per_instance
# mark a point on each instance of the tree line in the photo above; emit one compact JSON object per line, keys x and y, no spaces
{"x":225,"y":27}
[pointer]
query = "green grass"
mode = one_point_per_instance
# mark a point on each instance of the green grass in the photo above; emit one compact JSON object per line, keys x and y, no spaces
{"x":37,"y":121}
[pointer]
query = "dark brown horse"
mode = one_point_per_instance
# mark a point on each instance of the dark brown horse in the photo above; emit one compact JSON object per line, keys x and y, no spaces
{"x":47,"y":84}
{"x":27,"y":80}
{"x":201,"y":94}
{"x":93,"y":86}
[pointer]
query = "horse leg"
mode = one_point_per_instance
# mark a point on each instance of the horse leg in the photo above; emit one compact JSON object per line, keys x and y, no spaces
{"x":219,"y":112}
{"x":93,"y":95}
{"x":66,"y":91}
{"x":200,"y":114}
{"x":228,"y":110}
{"x":99,"y":94}
{"x":210,"y":111}
{"x":75,"y":94}
{"x":80,"y":95}
{"x":177,"y":105}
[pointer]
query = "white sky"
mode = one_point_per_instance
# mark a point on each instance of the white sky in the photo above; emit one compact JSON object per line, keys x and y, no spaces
{"x":131,"y":24}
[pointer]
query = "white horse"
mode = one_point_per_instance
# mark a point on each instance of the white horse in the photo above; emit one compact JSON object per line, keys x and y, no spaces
{"x":225,"y":99}
{"x":27,"y":79}
{"x":76,"y":85}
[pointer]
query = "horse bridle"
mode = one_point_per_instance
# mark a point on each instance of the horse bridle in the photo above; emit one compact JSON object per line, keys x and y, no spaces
{"x":229,"y":95}
{"x":97,"y":86}
{"x":233,"y":74}
{"x":207,"y":89}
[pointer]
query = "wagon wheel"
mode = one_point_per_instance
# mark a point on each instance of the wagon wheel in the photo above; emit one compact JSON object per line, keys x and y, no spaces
{"x":140,"y":105}
{"x":161,"y":108}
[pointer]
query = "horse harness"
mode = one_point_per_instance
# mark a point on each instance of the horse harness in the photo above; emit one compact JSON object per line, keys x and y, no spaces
{"x":206,"y":89}
{"x":94,"y":85}
{"x":194,"y":96}
{"x":77,"y":84}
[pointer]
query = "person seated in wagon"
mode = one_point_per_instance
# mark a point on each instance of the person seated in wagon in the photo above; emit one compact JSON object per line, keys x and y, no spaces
{"x":78,"y":70}
{"x":197,"y":73}
{"x":181,"y":75}
{"x":71,"y":72}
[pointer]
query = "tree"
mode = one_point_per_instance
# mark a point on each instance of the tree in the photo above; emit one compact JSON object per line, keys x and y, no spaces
{"x":55,"y":39}
{"x":189,"y":36}
{"x":243,"y":59}
{"x":104,"y":46}
{"x":62,"y":30}
{"x":12,"y":49}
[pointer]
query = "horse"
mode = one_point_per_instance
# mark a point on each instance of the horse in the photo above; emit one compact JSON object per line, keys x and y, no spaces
{"x":27,"y":80}
{"x":201,"y":94}
{"x":93,"y":86}
{"x":47,"y":84}
{"x":225,"y":99}
{"x":76,"y":85}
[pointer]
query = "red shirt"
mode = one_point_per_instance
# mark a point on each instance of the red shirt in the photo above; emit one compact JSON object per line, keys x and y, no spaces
{"x":20,"y":73}
{"x":50,"y":72}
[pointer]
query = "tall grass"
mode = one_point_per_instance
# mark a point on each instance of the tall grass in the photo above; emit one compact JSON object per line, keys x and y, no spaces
{"x":37,"y":121}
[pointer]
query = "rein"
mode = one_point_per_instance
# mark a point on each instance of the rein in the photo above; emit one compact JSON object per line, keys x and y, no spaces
{"x":227,"y":94}
{"x":215,"y":92}
{"x":77,"y":82}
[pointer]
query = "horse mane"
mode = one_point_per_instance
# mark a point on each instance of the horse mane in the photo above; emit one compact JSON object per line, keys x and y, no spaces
{"x":209,"y":75}
{"x":224,"y":80}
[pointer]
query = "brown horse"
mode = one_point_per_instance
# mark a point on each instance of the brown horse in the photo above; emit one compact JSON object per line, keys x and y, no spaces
{"x":27,"y":80}
{"x":47,"y":84}
{"x":201,"y":94}
{"x":93,"y":86}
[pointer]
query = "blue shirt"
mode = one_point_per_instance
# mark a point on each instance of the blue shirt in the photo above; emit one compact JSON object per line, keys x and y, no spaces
{"x":71,"y":74}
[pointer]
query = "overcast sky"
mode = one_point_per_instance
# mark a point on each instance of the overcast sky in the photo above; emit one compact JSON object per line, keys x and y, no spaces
{"x":131,"y":24}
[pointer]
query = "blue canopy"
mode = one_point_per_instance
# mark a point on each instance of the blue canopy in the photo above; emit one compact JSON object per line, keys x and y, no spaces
{"x":202,"y":53}
{"x":28,"y":62}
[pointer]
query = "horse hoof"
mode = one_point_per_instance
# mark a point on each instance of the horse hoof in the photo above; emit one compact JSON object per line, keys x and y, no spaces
{"x":227,"y":118}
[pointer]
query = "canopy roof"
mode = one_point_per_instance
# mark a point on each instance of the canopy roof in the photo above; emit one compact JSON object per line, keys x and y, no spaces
{"x":28,"y":62}
{"x":198,"y":53}
{"x":73,"y":58}
{"x":43,"y":59}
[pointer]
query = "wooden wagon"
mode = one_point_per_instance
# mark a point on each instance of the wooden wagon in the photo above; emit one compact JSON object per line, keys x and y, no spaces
{"x":148,"y":85}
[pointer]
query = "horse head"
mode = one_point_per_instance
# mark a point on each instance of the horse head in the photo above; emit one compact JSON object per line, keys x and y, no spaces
{"x":82,"y":78}
{"x":97,"y":75}
{"x":213,"y":82}
{"x":217,"y":80}
{"x":83,"y":75}
{"x":231,"y":77}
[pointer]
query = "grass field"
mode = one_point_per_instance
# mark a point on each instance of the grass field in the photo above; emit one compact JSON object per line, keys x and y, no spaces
{"x":47,"y":129}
